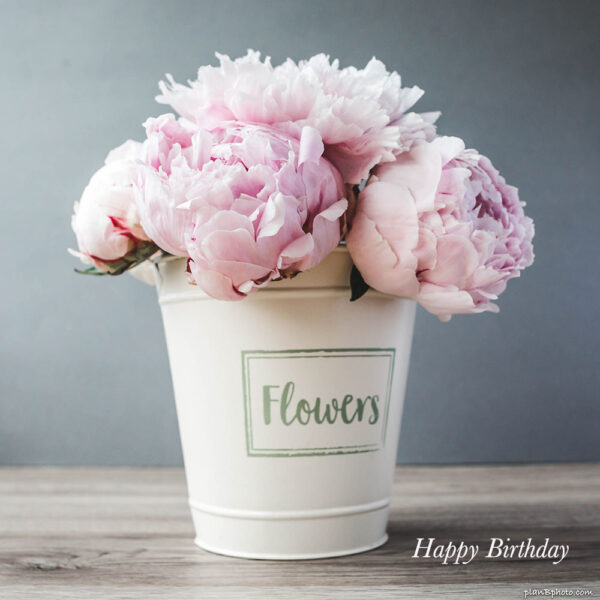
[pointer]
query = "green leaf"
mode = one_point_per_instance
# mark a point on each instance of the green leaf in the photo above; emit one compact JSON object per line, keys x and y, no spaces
{"x":91,"y":271}
{"x":358,"y":285}
{"x":139,"y":255}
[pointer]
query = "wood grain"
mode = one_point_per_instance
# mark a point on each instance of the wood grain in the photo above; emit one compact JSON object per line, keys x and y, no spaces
{"x":127,"y":533}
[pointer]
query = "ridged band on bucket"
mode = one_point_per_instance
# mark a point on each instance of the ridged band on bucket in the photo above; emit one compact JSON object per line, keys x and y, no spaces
{"x":283,"y":515}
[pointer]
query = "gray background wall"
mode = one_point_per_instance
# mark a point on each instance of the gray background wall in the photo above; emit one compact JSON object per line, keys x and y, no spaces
{"x":83,"y":368}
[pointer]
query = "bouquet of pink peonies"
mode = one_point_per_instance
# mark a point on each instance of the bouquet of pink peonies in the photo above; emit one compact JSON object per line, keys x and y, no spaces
{"x":266,"y":170}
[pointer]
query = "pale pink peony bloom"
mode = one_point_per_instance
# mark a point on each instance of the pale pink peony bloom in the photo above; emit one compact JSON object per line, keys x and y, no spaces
{"x":164,"y":183}
{"x":105,"y":220}
{"x":245,"y":203}
{"x":441,"y":225}
{"x":361,"y":115}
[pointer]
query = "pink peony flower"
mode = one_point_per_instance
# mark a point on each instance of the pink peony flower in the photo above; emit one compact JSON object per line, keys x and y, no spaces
{"x":105,"y":220}
{"x":441,"y":225}
{"x":361,"y":115}
{"x":169,"y":154}
{"x":246,"y":203}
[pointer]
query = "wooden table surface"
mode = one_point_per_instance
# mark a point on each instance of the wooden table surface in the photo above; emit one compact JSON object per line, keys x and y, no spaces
{"x":127,"y":533}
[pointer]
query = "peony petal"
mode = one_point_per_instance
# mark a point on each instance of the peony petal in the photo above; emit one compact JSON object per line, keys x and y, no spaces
{"x":456,"y":261}
{"x":215,"y":284}
{"x":311,"y":146}
{"x":444,"y":301}
{"x":419,"y":170}
{"x":448,"y":147}
{"x":295,"y":251}
{"x":274,"y":215}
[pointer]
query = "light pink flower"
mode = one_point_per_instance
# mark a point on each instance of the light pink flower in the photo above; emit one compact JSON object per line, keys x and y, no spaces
{"x":164,"y":183}
{"x":441,"y":225}
{"x":246,"y":203}
{"x":105,"y":220}
{"x":361,"y":115}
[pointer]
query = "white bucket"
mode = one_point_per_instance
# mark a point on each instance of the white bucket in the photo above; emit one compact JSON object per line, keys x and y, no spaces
{"x":265,"y":478}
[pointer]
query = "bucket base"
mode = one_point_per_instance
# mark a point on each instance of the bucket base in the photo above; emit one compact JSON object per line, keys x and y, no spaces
{"x":309,"y":556}
{"x":279,"y":537}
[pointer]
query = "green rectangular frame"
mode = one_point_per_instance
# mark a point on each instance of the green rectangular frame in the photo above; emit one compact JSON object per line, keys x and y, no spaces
{"x":247,"y":355}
